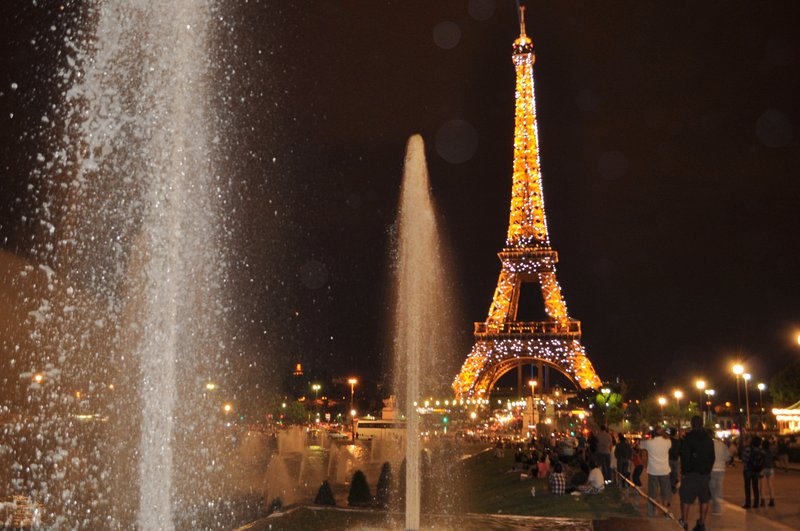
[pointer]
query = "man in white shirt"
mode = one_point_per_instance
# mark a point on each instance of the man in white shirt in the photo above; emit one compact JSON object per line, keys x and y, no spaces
{"x":721,"y":458}
{"x":658,"y":469}
{"x":595,"y":482}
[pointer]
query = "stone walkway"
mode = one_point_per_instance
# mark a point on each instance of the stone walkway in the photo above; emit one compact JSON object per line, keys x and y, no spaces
{"x":784,"y":516}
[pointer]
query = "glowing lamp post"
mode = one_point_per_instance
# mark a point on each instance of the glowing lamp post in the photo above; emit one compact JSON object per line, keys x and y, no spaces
{"x":701,"y":385}
{"x":316,"y":388}
{"x":738,"y":370}
{"x":709,"y":394}
{"x":227,"y":408}
{"x":761,"y":386}
{"x":352,"y":382}
{"x":678,"y":394}
{"x":662,"y":402}
{"x":533,"y":384}
{"x":746,"y":376}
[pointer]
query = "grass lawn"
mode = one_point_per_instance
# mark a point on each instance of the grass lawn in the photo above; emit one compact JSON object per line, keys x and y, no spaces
{"x":488,"y":496}
{"x":491,"y":488}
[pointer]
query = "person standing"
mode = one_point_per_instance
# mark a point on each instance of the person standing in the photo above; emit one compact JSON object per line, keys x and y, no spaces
{"x":638,"y":467}
{"x":623,"y":453}
{"x":657,"y":469}
{"x":697,"y":460}
{"x":721,"y":458}
{"x":733,"y":451}
{"x":591,"y":447}
{"x":613,"y":459}
{"x":674,"y":455}
{"x":753,"y":461}
{"x":783,"y":454}
{"x":581,"y":446}
{"x":769,"y":471}
{"x":603,"y":454}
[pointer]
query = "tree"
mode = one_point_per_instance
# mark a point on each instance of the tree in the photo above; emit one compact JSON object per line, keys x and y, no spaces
{"x":785,"y":386}
{"x":275,"y":506}
{"x":384,"y":486}
{"x":325,"y":495}
{"x":608,"y":407}
{"x":359,"y":491}
{"x":294,"y":412}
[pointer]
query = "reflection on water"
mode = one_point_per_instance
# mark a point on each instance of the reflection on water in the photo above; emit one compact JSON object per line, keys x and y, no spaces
{"x":349,"y":519}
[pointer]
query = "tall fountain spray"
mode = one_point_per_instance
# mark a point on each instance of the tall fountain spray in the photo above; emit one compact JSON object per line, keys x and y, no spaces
{"x":135,"y":234}
{"x":420,"y":309}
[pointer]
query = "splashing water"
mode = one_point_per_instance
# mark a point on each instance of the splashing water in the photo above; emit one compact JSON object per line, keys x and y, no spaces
{"x":420,"y":310}
{"x":134,"y":239}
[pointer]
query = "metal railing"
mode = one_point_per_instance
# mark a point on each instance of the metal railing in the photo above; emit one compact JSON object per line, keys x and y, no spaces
{"x":664,"y":510}
{"x":551,"y":328}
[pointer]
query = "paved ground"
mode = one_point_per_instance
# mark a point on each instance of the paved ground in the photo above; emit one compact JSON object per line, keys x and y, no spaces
{"x":784,"y":516}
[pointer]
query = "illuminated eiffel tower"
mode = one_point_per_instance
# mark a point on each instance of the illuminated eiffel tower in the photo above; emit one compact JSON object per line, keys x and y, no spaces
{"x":501,"y":342}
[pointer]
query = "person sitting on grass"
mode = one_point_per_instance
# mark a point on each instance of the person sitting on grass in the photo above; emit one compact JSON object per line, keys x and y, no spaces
{"x":596,"y":482}
{"x":543,"y":468}
{"x":579,"y":477}
{"x":557,"y":481}
{"x":518,"y":459}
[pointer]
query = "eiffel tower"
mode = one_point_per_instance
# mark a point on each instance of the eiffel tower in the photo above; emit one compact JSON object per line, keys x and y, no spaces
{"x":503,"y":343}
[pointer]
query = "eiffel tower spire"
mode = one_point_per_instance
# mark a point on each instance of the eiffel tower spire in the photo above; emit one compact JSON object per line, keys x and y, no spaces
{"x":527,"y":225}
{"x":503,"y":342}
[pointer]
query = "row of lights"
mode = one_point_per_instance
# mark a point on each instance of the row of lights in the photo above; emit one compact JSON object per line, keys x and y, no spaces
{"x":739,"y":371}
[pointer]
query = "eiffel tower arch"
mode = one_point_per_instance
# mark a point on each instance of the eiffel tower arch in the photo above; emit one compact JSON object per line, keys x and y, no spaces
{"x":502,"y":342}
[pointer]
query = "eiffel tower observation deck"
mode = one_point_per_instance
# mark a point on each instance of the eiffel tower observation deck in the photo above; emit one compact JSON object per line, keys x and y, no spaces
{"x":503,"y":343}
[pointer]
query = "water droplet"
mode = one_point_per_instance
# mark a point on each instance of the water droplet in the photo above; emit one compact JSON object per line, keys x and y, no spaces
{"x":612,"y":165}
{"x":446,"y":35}
{"x":774,"y":129}
{"x":481,"y":9}
{"x":456,"y":141}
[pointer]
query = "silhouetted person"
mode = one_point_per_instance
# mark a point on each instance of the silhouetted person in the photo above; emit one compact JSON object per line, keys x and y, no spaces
{"x":697,"y":460}
{"x":753,"y":460}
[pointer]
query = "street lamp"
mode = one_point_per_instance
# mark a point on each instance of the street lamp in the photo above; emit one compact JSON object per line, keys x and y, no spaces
{"x":661,"y":402}
{"x":227,"y":408}
{"x":701,"y":385}
{"x":678,"y":395}
{"x":738,"y":370}
{"x":352,"y":382}
{"x":533,"y":383}
{"x":761,"y":386}
{"x":709,"y":394}
{"x":747,"y":377}
{"x":316,"y":388}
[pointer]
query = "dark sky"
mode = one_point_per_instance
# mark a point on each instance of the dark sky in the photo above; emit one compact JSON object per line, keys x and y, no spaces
{"x":669,"y":148}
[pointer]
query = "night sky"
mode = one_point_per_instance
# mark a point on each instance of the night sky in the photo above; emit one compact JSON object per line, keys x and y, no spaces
{"x":669,"y":149}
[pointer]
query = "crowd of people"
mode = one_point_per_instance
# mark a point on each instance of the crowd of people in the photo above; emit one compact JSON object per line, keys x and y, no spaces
{"x":691,"y":464}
